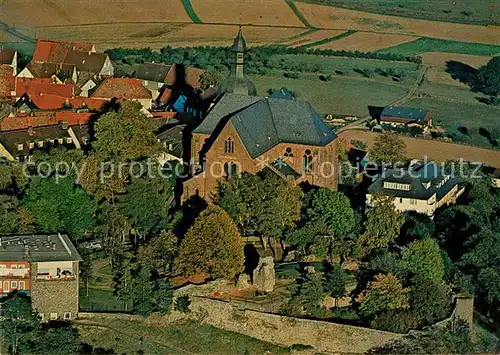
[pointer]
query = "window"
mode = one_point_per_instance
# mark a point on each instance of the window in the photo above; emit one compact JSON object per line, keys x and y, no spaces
{"x":69,"y":140}
{"x":67,"y":315}
{"x":229,"y":146}
{"x":230,"y":169}
{"x":21,"y":285}
{"x":13,"y":266}
{"x":6,"y":286}
{"x":20,"y":266}
{"x":400,"y":200}
{"x":288,"y":152}
{"x":13,"y":284}
{"x":31,"y":145}
{"x":413,"y":201}
{"x":307,"y":162}
{"x":42,"y":316}
{"x":39,"y":144}
{"x":53,"y":316}
{"x":60,"y":140}
{"x":20,"y":146}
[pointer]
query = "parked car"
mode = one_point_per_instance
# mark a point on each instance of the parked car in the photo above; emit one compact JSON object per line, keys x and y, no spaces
{"x":93,"y":245}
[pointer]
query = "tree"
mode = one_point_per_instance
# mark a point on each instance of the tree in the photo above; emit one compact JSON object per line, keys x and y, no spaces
{"x":16,"y":321}
{"x":396,"y":321}
{"x":164,"y":293}
{"x":385,"y":292}
{"x":211,"y":78}
{"x":335,"y":282}
{"x":489,"y":76}
{"x":382,"y":225}
{"x":125,"y":135}
{"x":309,"y":295}
{"x":54,"y":341}
{"x":112,"y":229}
{"x":266,"y":204}
{"x":159,"y":252}
{"x":147,"y":203}
{"x":100,"y":180}
{"x":182,"y":304}
{"x":424,"y":258}
{"x":333,"y":209}
{"x":59,"y":205}
{"x":388,"y":148}
{"x":430,"y":300}
{"x":9,"y":210}
{"x":213,"y":245}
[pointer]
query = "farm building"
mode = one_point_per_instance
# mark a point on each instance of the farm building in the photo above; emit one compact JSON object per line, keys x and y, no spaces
{"x":397,"y":116}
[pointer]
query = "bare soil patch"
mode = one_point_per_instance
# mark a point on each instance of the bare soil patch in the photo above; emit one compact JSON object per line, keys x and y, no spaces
{"x":335,"y":18}
{"x":256,"y":12}
{"x":35,"y":13}
{"x":367,"y":42}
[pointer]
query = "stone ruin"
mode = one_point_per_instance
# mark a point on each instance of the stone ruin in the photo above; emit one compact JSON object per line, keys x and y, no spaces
{"x":264,"y":277}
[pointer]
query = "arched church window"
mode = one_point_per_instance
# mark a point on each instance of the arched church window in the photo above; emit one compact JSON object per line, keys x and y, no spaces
{"x":288,"y":152}
{"x":307,"y":162}
{"x":228,"y":146}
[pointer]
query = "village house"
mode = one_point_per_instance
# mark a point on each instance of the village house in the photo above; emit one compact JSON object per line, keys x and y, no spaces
{"x":59,"y":73}
{"x":44,"y":267}
{"x":423,"y":188}
{"x":42,"y":86}
{"x":245,"y":133}
{"x":9,"y":57}
{"x":406,"y":116}
{"x":124,"y":88}
{"x":21,"y":134}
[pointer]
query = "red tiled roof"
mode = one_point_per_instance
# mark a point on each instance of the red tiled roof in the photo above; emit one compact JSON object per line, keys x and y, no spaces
{"x":43,"y":119}
{"x":124,"y":88}
{"x":7,"y":81}
{"x":6,"y":56}
{"x":164,"y":114}
{"x":42,"y":86}
{"x":56,"y":102}
{"x":56,"y":51}
{"x":165,"y":95}
{"x":191,"y":75}
{"x":90,"y":103}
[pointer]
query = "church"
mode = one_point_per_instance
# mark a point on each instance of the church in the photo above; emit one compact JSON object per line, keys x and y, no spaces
{"x":243,"y":132}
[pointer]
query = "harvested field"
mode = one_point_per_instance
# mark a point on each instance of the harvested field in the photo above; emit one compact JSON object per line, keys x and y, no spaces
{"x":312,"y":37}
{"x":335,"y":18}
{"x":256,"y":12}
{"x":367,"y":42}
{"x":436,"y":63}
{"x":440,"y":59}
{"x":432,"y":149}
{"x":158,"y":35}
{"x":484,"y":12}
{"x":63,"y":12}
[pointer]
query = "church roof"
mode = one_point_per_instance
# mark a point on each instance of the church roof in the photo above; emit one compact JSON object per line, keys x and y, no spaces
{"x":263,"y":123}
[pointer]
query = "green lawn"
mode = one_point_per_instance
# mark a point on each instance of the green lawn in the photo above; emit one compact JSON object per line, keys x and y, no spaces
{"x":425,"y":44}
{"x":341,"y":95}
{"x":481,"y":12}
{"x":451,"y":115}
{"x":131,"y":337}
{"x":328,"y":65}
{"x":463,"y":94}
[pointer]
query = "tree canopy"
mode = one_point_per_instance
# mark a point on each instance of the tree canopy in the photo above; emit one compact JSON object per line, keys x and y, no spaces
{"x":489,"y":75}
{"x":424,"y":259}
{"x":212,"y":245}
{"x":388,"y":148}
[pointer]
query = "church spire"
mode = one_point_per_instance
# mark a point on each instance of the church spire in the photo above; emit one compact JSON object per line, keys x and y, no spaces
{"x":238,"y":52}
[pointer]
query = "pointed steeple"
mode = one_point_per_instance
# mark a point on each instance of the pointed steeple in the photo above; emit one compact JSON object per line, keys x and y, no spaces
{"x":239,"y":44}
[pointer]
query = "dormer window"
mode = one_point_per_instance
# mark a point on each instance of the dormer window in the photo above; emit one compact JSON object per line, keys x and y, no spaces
{"x":229,"y":146}
{"x":40,"y":144}
{"x":20,"y":146}
{"x":69,"y":140}
{"x":288,"y":152}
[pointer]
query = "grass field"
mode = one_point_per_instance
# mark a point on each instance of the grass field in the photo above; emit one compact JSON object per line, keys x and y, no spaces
{"x":450,"y":115}
{"x":133,"y":337}
{"x":423,"y":45}
{"x":348,"y":96}
{"x":482,"y":12}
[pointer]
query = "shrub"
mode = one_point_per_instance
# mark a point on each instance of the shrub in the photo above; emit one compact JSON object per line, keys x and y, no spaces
{"x":291,"y":75}
{"x":396,"y":321}
{"x":182,"y":304}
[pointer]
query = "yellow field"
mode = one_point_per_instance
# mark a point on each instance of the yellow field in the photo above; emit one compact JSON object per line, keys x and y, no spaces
{"x":367,"y":42}
{"x":436,"y":63}
{"x":35,"y":13}
{"x":256,"y":12}
{"x":335,"y":18}
{"x":313,"y":37}
{"x":159,"y":35}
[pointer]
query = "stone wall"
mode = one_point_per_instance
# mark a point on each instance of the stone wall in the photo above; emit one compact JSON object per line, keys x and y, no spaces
{"x":323,"y":336}
{"x":55,"y":296}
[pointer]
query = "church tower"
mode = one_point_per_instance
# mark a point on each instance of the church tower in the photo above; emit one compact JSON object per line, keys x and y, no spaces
{"x":238,"y":82}
{"x":238,"y":51}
